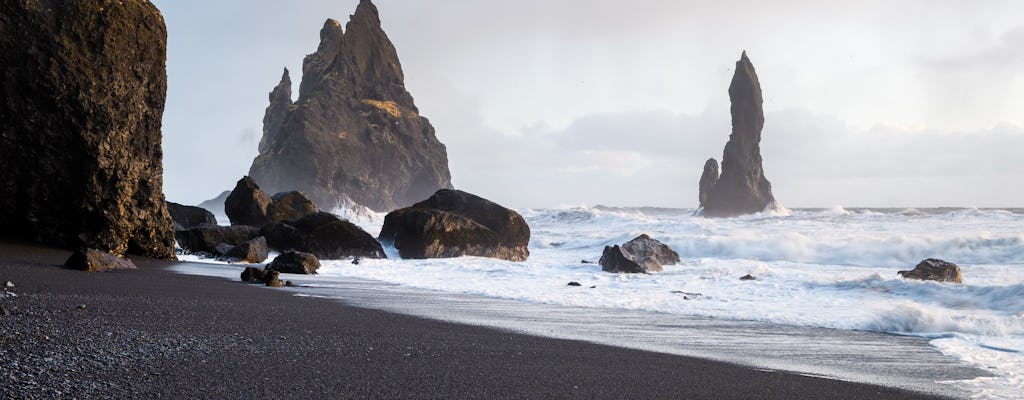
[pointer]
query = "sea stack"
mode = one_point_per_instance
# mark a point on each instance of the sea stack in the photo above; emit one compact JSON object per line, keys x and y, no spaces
{"x":84,"y":84}
{"x":354,"y":135}
{"x":742,"y":187}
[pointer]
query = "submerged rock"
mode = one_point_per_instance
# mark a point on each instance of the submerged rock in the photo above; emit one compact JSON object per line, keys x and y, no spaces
{"x":748,"y":277}
{"x":295,"y":262}
{"x":84,"y":84}
{"x":187,"y":217}
{"x":325,"y":235}
{"x":933,"y":269}
{"x":354,"y":132}
{"x":742,"y":187}
{"x":92,"y":260}
{"x":453,"y":223}
{"x":247,"y":204}
{"x":640,"y":255}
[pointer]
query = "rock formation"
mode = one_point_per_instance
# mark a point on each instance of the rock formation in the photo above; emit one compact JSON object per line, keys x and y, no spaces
{"x":640,"y":255}
{"x":354,"y":134}
{"x":84,"y":84}
{"x":253,"y":252}
{"x":934,"y":269}
{"x":295,"y":262}
{"x":453,"y":223}
{"x":742,"y":187}
{"x":216,"y":240}
{"x":187,"y":217}
{"x":290,"y":206}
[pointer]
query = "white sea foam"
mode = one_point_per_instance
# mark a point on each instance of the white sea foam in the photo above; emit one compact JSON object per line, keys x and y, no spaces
{"x":832,"y":268}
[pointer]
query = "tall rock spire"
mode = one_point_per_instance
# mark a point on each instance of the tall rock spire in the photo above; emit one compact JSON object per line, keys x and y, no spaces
{"x":742,"y":188}
{"x":354,"y":134}
{"x":280,"y":103}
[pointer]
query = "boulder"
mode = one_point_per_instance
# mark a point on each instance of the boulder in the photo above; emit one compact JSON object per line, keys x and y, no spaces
{"x":295,"y":262}
{"x":206,"y":238}
{"x":742,"y":188}
{"x":247,"y":204}
{"x":98,"y":261}
{"x":188,"y":217}
{"x":640,"y":255}
{"x":84,"y":84}
{"x":254,"y":251}
{"x":289,"y":206}
{"x":934,"y":269}
{"x":453,"y":223}
{"x":325,"y":235}
{"x":273,"y":279}
{"x":354,"y":131}
{"x":748,"y":277}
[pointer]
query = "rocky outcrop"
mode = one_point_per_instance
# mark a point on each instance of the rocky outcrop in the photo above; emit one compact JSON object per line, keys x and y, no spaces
{"x":91,"y":260}
{"x":354,"y":132}
{"x":187,"y":217}
{"x":84,"y":84}
{"x":290,"y":206}
{"x":742,"y":187}
{"x":325,"y":235}
{"x":934,"y":269}
{"x":247,"y":204}
{"x":295,"y":262}
{"x":640,"y":255}
{"x":453,"y":223}
{"x":207,"y":238}
{"x":253,"y":251}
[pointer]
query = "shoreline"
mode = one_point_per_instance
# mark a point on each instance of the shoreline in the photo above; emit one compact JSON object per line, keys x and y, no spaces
{"x":156,"y":333}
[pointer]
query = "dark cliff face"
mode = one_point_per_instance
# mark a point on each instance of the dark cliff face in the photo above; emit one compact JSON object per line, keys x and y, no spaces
{"x":354,"y":132}
{"x":83,"y":85}
{"x":742,"y":188}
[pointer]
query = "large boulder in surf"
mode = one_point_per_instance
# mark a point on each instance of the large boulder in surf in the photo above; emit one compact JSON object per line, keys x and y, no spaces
{"x":354,"y":134}
{"x":295,"y":262}
{"x":247,"y":204}
{"x":934,"y":269}
{"x":187,"y":217}
{"x":92,"y":260}
{"x":453,"y":223}
{"x":325,"y":235}
{"x":216,"y":240}
{"x":84,"y":84}
{"x":289,"y":206}
{"x":640,"y":255}
{"x":742,"y":188}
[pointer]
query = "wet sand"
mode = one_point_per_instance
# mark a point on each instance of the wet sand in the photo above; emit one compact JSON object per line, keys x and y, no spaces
{"x":152,"y":333}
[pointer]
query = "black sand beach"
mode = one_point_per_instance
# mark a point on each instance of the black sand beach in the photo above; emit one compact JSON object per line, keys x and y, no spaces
{"x":152,"y":333}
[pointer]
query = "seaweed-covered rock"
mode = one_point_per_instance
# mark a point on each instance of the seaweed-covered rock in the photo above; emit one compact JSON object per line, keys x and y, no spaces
{"x":289,"y":206}
{"x":453,"y":223}
{"x":83,"y":90}
{"x":206,"y":238}
{"x":325,"y":235}
{"x":640,"y":255}
{"x":742,"y":188}
{"x":253,"y":251}
{"x":355,"y":131}
{"x":187,"y":217}
{"x":247,"y":204}
{"x":295,"y":262}
{"x":92,"y":260}
{"x":933,"y":269}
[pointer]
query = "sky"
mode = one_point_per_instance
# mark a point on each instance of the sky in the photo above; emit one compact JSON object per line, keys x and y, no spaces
{"x":548,"y":103}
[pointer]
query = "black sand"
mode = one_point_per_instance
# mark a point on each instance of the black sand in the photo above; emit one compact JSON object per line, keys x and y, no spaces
{"x":152,"y":333}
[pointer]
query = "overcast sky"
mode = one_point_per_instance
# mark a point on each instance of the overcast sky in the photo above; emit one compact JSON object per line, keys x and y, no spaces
{"x":564,"y":102}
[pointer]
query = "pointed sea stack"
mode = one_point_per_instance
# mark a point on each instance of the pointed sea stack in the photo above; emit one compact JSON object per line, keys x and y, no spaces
{"x":354,"y":134}
{"x":742,"y":187}
{"x":83,"y":87}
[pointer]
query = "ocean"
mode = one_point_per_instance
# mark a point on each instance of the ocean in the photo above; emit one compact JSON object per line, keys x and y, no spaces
{"x":826,"y":300}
